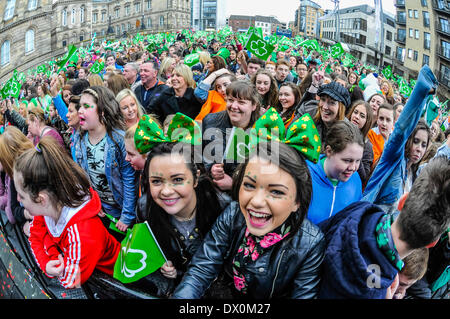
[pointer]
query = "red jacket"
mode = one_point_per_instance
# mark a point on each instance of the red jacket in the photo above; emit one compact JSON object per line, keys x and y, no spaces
{"x":80,"y":237}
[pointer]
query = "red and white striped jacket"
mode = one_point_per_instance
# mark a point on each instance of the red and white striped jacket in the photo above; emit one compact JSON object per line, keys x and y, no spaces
{"x":80,"y":237}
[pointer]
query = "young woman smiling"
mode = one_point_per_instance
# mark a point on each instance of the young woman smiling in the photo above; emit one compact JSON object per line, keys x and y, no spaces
{"x":380,"y":134}
{"x":335,"y":186}
{"x":261,"y":246}
{"x":289,"y":97}
{"x":267,"y":87}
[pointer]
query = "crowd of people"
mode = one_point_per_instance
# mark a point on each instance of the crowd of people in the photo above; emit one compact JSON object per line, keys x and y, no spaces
{"x":345,"y":192}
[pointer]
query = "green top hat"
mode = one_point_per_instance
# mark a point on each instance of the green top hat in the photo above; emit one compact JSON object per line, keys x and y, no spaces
{"x":224,"y":53}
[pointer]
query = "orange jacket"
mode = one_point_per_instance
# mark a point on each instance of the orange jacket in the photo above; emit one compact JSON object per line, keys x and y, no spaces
{"x":215,"y":103}
{"x":377,"y":141}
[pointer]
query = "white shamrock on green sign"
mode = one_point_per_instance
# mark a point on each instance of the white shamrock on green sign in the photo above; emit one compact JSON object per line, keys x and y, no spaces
{"x":189,"y":59}
{"x":259,"y":47}
{"x":14,"y":89}
{"x":129,"y":273}
{"x":336,"y":50}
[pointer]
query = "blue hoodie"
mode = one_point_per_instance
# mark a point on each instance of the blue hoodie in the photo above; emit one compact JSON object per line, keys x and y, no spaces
{"x":354,"y":267}
{"x":327,"y":199}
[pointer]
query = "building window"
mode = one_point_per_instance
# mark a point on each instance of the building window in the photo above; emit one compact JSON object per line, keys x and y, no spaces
{"x":5,"y":53}
{"x":127,"y":10}
{"x":149,"y":22}
{"x":426,"y":60}
{"x":64,"y":18}
{"x":82,"y":14}
{"x":32,"y":4}
{"x":426,"y":19}
{"x":29,"y":41}
{"x":388,"y":35}
{"x":445,"y":49}
{"x":149,"y":4}
{"x":94,"y":17}
{"x":410,"y":53}
{"x":74,"y":12}
{"x":161,"y":21}
{"x":424,"y":3}
{"x":426,"y":40}
{"x":416,"y":55}
{"x":387,"y":50}
{"x":117,"y":12}
{"x":103,"y":16}
{"x":137,"y":7}
{"x":410,"y":13}
{"x":416,"y":33}
{"x":9,"y":9}
{"x":416,"y":14}
{"x":443,"y":25}
{"x":411,"y":33}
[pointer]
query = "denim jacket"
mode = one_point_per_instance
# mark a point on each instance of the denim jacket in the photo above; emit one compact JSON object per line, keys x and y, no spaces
{"x":385,"y":186}
{"x":122,"y":178}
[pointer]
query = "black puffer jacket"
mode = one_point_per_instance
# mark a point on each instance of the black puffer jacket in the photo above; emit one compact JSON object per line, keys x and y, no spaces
{"x":289,"y":269}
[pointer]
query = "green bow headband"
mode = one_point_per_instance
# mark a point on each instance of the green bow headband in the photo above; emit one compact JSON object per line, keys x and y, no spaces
{"x":301,"y":134}
{"x":181,"y":129}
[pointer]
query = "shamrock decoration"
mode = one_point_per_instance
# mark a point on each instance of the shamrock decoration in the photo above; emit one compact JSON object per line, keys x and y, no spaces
{"x":337,"y":50}
{"x":259,"y":47}
{"x":387,"y":72}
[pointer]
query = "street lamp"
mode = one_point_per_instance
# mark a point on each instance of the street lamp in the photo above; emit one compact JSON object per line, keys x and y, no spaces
{"x":142,"y":23}
{"x":110,"y":28}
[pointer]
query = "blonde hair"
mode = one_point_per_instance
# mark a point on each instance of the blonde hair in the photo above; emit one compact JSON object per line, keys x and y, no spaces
{"x":127,"y":92}
{"x":187,"y":74}
{"x":204,"y":57}
{"x":165,"y":65}
{"x":95,"y":80}
{"x":12,"y":144}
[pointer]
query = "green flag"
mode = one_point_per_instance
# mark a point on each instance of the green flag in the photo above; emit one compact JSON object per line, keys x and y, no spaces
{"x":97,"y":67}
{"x":337,"y":50}
{"x":41,"y":68}
{"x":140,"y":255}
{"x":387,"y":72}
{"x":62,"y":62}
{"x":11,"y":88}
{"x":259,"y":47}
{"x":432,"y":109}
{"x":310,"y":44}
{"x":192,"y":59}
{"x":237,"y":147}
{"x":404,"y":88}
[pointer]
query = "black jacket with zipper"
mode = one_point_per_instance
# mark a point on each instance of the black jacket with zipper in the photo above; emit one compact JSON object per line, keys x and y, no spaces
{"x":288,"y":269}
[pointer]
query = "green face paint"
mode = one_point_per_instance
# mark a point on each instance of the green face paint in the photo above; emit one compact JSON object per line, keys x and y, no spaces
{"x":87,"y":106}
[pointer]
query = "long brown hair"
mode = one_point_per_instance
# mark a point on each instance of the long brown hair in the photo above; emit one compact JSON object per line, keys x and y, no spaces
{"x":12,"y":144}
{"x":271,"y":97}
{"x":369,"y":115}
{"x":47,"y":167}
{"x":245,"y":90}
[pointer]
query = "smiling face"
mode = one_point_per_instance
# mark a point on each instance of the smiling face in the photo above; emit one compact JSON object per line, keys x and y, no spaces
{"x":375,"y":102}
{"x":172,"y":185}
{"x":178,"y":81}
{"x":286,"y":97}
{"x":129,"y":108}
{"x":262,"y":84}
{"x":239,"y":111}
{"x":341,"y":166}
{"x":267,"y":196}
{"x":359,"y":116}
{"x":329,"y":109}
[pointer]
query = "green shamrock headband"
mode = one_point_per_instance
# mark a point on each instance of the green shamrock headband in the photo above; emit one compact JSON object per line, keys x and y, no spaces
{"x":301,"y":134}
{"x":181,"y":129}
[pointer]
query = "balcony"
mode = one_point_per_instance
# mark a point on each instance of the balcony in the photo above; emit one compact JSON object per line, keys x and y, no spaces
{"x":400,"y":39}
{"x":443,"y":29}
{"x":444,"y":53}
{"x":401,"y":20}
{"x":400,"y":3}
{"x":443,"y":79}
{"x":441,"y":6}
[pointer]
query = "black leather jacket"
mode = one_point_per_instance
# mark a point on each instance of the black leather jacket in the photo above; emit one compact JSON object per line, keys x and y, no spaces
{"x":289,"y":269}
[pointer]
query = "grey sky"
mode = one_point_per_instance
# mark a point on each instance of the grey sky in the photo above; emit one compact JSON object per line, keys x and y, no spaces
{"x":284,"y":10}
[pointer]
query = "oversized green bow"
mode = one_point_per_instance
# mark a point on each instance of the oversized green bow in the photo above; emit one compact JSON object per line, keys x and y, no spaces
{"x":301,"y":134}
{"x":181,"y":129}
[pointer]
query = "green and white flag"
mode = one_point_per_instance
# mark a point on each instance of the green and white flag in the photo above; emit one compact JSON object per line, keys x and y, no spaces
{"x":140,"y":255}
{"x":67,"y":57}
{"x":387,"y":72}
{"x":192,"y":59}
{"x":337,"y":50}
{"x":237,"y":148}
{"x":311,"y":44}
{"x":404,"y":88}
{"x":97,"y":67}
{"x":11,"y":88}
{"x":259,"y":47}
{"x":42,"y":68}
